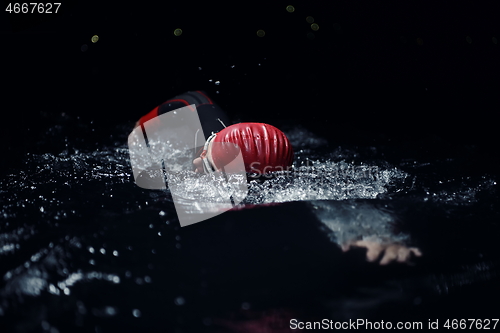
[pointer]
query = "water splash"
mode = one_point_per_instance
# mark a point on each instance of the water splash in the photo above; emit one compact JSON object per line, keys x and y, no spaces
{"x":52,"y":207}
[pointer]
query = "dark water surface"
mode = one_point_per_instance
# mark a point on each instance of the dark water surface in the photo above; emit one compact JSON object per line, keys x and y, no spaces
{"x":83,"y":249}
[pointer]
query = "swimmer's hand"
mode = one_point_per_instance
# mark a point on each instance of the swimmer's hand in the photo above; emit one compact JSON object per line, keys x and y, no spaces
{"x":391,"y":251}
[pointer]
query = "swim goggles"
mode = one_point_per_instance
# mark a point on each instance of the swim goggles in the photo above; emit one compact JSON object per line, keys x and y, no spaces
{"x":207,"y":166}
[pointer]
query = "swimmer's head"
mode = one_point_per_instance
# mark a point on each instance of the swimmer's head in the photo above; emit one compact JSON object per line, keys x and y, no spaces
{"x":264,"y":149}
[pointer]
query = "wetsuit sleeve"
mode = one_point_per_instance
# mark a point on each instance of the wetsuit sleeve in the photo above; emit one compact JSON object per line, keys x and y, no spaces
{"x":212,"y":117}
{"x":149,"y":116}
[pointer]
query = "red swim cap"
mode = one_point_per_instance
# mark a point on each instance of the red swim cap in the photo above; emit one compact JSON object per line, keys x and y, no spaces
{"x":264,"y":147}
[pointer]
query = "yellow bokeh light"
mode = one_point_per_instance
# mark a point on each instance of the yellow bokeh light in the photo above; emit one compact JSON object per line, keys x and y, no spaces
{"x":315,"y":26}
{"x":178,"y":32}
{"x":310,"y":19}
{"x":261,"y":33}
{"x":94,"y":39}
{"x":290,"y":8}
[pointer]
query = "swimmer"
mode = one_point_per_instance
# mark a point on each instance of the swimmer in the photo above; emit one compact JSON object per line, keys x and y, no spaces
{"x":264,"y":149}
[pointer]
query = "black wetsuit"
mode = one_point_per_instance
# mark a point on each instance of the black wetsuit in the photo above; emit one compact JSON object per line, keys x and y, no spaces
{"x":212,"y":117}
{"x":212,"y":120}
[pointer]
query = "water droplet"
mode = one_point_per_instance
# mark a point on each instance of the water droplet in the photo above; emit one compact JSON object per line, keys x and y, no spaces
{"x":91,"y":249}
{"x":45,"y":325}
{"x":115,"y":253}
{"x":180,"y":300}
{"x":110,"y":311}
{"x":136,"y":313}
{"x":245,"y":306}
{"x":217,"y":83}
{"x":162,"y":213}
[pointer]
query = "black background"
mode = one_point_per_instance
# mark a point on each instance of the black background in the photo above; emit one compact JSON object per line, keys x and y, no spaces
{"x":362,"y":78}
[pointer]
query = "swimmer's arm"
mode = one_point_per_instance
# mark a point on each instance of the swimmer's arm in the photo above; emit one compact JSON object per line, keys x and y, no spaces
{"x":389,"y":251}
{"x":354,"y":224}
